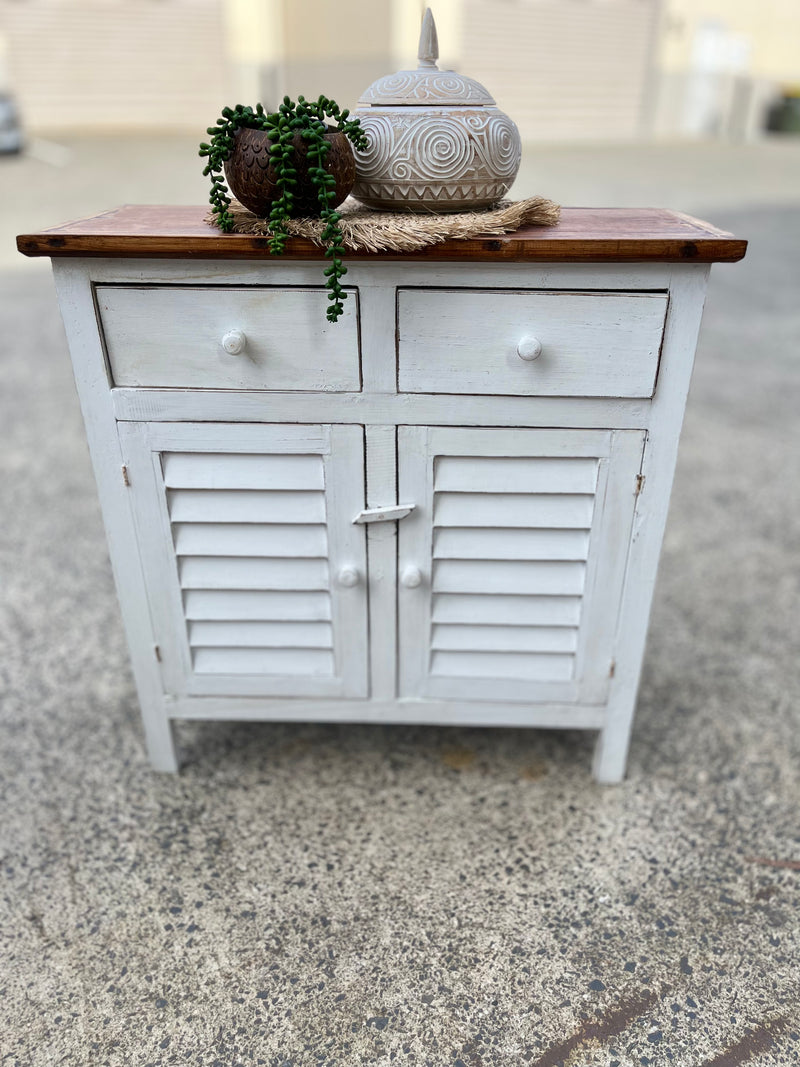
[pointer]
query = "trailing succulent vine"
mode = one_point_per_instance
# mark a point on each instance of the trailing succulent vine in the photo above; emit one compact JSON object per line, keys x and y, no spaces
{"x":308,"y":119}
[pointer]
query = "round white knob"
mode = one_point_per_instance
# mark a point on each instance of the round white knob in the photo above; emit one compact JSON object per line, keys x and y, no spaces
{"x":233,"y":342}
{"x":411,"y":577}
{"x":348,"y":577}
{"x":529,"y":348}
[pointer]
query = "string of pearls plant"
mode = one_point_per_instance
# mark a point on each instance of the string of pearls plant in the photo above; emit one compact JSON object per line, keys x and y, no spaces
{"x":308,"y":119}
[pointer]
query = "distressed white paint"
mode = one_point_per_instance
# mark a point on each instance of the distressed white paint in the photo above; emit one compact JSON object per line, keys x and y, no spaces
{"x":687,"y":293}
{"x":77,"y":310}
{"x":496,"y":483}
{"x":435,"y":712}
{"x":181,"y":497}
{"x":382,"y":549}
{"x":169,"y":405}
{"x":525,"y":570}
{"x":228,"y":338}
{"x":591,"y":344}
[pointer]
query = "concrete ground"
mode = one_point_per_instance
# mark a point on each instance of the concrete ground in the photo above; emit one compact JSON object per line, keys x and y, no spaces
{"x":347,"y":895}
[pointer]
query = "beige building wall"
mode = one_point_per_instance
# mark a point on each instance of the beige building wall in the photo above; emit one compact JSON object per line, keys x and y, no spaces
{"x":336,"y":49}
{"x":406,"y":17}
{"x":125,"y":64}
{"x":769,"y":31}
{"x":565,"y":70}
{"x":309,"y":47}
{"x":721,"y":63}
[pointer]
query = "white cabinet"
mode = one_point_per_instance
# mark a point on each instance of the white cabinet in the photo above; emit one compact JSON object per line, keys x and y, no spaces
{"x":446,"y":508}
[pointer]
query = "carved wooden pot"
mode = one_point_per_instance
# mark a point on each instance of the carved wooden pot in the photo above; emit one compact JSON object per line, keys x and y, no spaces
{"x":252,"y":179}
{"x":436,"y":159}
{"x":437,"y":140}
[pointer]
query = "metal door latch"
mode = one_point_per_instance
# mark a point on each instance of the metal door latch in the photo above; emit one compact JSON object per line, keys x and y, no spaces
{"x":388,"y":513}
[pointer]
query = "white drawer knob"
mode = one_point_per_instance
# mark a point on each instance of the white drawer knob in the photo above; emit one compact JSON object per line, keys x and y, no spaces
{"x":348,"y":577}
{"x":233,"y":342}
{"x":411,"y":577}
{"x":529,"y":348}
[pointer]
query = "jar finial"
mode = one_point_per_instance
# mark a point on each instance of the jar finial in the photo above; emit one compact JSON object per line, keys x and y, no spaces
{"x":428,"y":51}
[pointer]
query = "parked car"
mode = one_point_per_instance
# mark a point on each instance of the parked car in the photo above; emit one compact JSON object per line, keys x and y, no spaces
{"x":10,"y":128}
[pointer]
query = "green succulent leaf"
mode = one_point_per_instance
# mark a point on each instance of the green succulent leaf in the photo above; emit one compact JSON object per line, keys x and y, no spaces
{"x":308,"y":119}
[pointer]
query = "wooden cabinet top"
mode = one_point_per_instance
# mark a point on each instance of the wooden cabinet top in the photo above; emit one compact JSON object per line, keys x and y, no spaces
{"x":583,"y":234}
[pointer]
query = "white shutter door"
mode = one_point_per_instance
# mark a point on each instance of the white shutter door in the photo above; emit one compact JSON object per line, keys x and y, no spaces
{"x":244,"y":531}
{"x":521,"y":537}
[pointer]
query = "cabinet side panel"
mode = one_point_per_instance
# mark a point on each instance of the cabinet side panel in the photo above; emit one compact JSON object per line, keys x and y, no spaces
{"x":88,"y":361}
{"x":687,"y":293}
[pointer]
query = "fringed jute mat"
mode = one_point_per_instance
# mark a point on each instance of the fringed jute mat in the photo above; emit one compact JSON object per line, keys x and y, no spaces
{"x":366,"y":230}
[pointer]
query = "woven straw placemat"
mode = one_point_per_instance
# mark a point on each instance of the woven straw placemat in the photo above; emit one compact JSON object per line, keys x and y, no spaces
{"x":366,"y":230}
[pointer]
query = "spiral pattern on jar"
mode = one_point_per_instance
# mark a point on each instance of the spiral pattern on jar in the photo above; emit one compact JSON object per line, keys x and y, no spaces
{"x":448,"y":86}
{"x":503,"y":145}
{"x":443,"y":150}
{"x":399,"y":84}
{"x":375,"y":161}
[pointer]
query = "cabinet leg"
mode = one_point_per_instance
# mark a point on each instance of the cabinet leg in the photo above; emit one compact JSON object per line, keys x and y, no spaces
{"x":161,"y":748}
{"x":611,"y":753}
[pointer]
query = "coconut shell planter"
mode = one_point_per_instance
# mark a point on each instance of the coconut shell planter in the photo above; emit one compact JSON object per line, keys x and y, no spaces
{"x":254,"y":181}
{"x":286,"y":164}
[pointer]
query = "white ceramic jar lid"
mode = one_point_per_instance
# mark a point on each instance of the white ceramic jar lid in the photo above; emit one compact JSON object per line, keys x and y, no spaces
{"x":427,"y":85}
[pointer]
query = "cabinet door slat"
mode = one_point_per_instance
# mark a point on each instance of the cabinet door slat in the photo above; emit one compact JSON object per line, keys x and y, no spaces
{"x":307,"y":662}
{"x":250,"y":539}
{"x":455,"y":542}
{"x":496,"y":474}
{"x":541,"y":510}
{"x":210,"y":604}
{"x":485,"y":609}
{"x":227,"y":470}
{"x":452,"y":638}
{"x":530,"y":666}
{"x":243,"y":505}
{"x":219,"y":572}
{"x":521,"y":578}
{"x":244,"y":634}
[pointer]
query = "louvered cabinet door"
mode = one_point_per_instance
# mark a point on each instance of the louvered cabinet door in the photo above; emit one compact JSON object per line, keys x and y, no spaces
{"x":512,"y":563}
{"x":256,"y":574}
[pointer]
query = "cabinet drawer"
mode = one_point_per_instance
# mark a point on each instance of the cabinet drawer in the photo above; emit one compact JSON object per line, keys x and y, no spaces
{"x":468,"y":341}
{"x":172,"y":336}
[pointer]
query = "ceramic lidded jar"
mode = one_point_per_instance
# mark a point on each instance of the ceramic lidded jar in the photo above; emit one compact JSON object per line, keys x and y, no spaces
{"x":438,"y":141}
